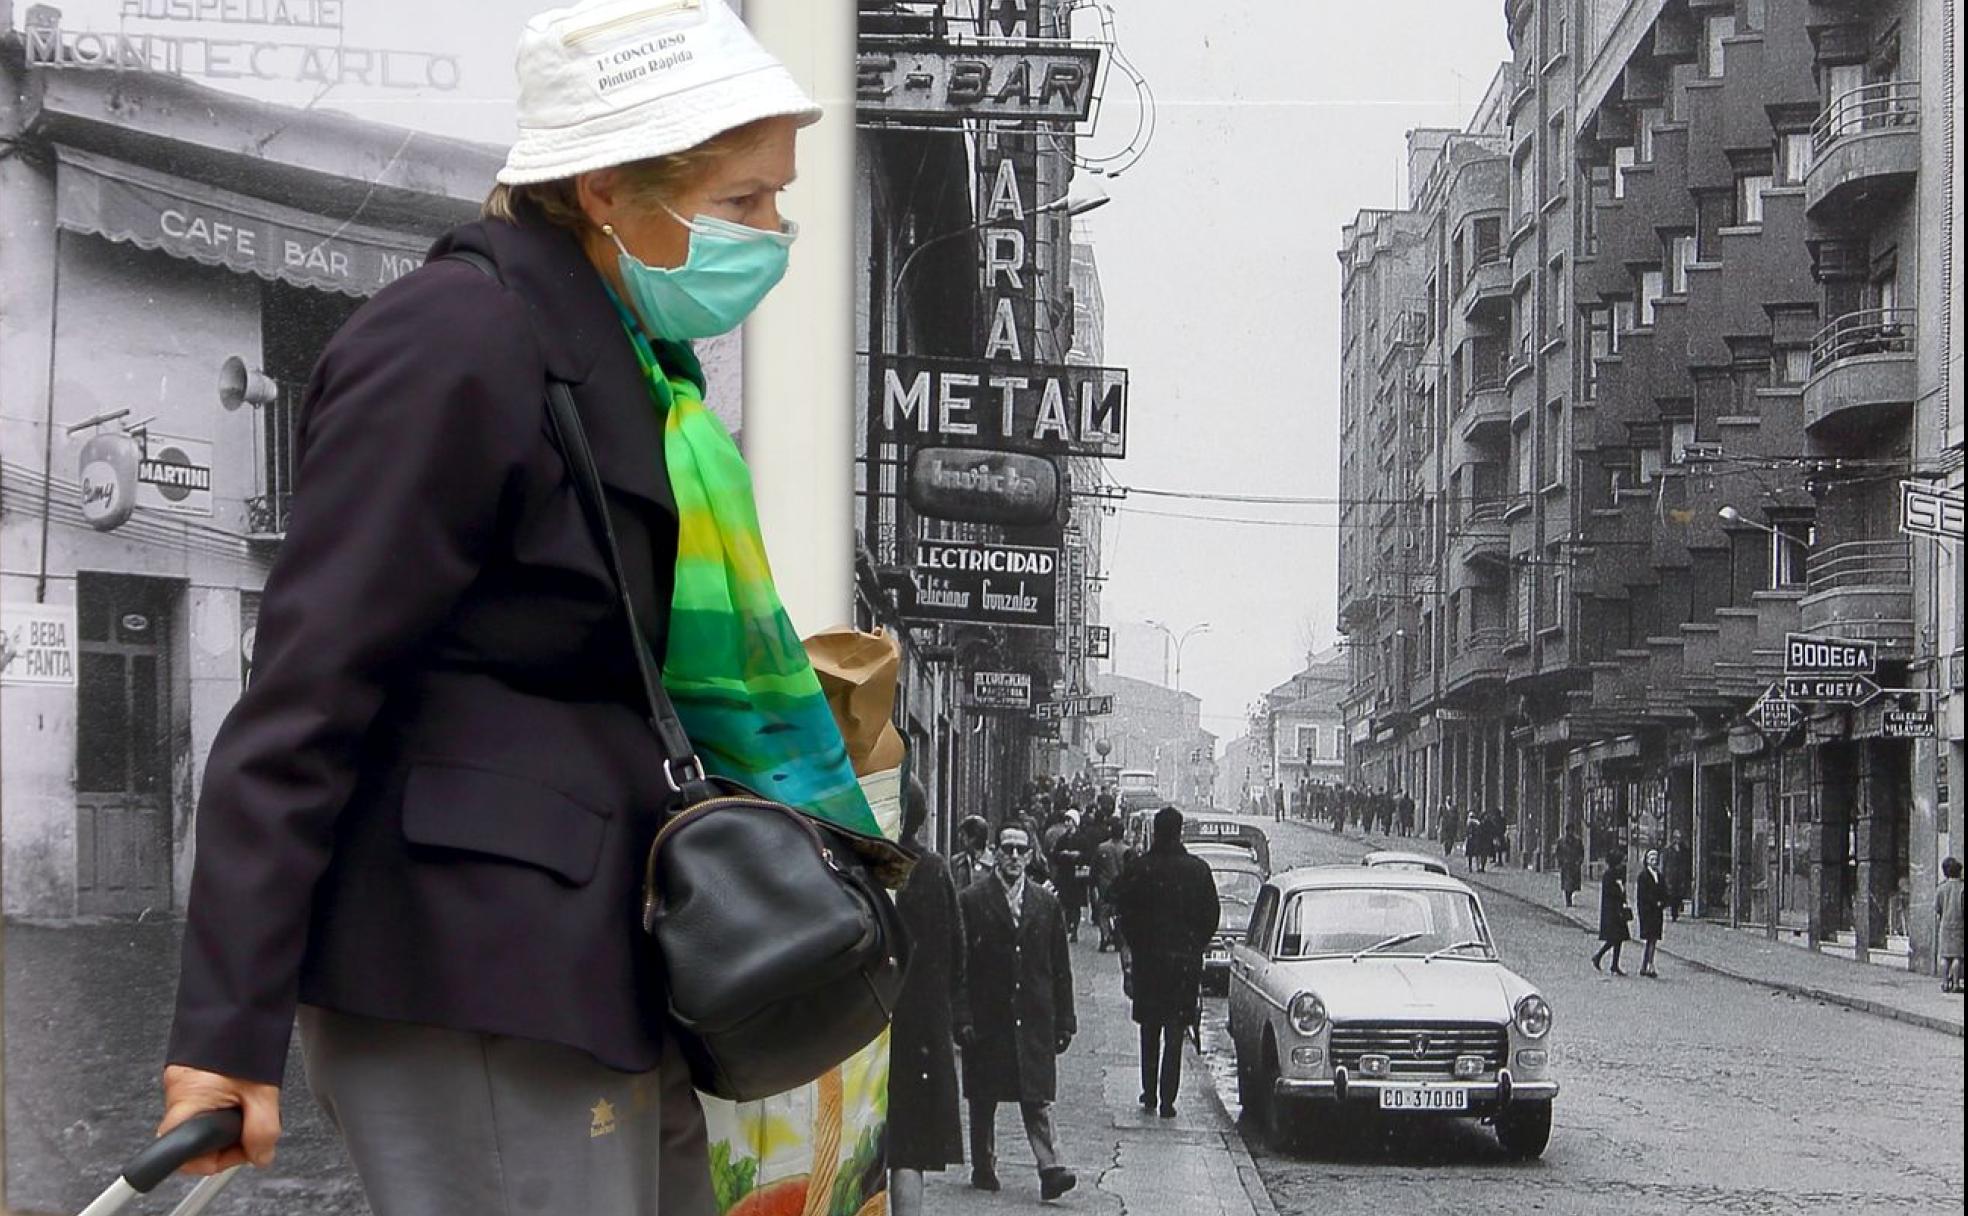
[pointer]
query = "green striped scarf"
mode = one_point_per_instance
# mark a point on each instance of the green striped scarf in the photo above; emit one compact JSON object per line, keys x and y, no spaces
{"x":734,"y":667}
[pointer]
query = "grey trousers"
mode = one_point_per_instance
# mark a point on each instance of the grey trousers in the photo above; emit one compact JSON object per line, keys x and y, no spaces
{"x":1039,"y":1134}
{"x":444,"y":1121}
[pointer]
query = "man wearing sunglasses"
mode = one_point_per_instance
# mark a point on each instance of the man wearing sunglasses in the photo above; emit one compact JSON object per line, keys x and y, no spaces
{"x":1015,"y":1011}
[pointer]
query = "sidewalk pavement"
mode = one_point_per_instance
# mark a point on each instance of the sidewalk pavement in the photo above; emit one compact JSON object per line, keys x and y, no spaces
{"x":1130,"y":1162}
{"x":1741,"y":954}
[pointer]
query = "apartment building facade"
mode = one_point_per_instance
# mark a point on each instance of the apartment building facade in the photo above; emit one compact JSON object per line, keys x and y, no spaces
{"x":1678,"y":388}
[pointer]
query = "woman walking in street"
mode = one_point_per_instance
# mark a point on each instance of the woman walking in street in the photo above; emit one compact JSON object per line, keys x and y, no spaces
{"x":1613,"y":911}
{"x":422,"y":825}
{"x":1947,"y":918}
{"x":1652,"y":891}
{"x":1571,"y":863}
{"x":925,"y":1132}
{"x":1475,"y":843}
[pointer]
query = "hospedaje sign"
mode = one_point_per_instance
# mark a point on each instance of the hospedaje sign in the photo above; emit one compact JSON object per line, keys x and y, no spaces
{"x":981,"y":583}
{"x":1000,"y":690}
{"x":100,"y":196}
{"x":1001,"y":406}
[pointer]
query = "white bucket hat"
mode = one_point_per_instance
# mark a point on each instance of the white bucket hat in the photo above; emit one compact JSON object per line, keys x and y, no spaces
{"x":606,"y":82}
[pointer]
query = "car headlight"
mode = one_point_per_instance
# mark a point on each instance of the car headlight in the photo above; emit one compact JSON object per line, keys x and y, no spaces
{"x":1533,"y":1017}
{"x":1307,"y":1013}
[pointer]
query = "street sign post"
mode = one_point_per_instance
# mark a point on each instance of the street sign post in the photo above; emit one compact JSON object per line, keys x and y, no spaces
{"x":1809,"y":654}
{"x":1095,"y":706}
{"x":1830,"y":690}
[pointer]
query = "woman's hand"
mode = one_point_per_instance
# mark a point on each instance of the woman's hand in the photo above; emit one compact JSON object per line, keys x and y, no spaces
{"x":189,"y":1092}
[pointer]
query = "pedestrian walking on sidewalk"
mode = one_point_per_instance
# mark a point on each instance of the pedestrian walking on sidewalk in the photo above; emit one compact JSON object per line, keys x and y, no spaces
{"x":423,"y":824}
{"x":1678,"y":868}
{"x":1947,"y":918}
{"x":1571,"y":863}
{"x":1168,"y":914}
{"x":1015,"y":1015}
{"x":974,"y":858}
{"x":925,"y":1130}
{"x":1404,"y":813}
{"x":1614,"y":911}
{"x":1476,"y":843}
{"x":1109,"y":861}
{"x":1651,"y":889}
{"x":1451,"y":823}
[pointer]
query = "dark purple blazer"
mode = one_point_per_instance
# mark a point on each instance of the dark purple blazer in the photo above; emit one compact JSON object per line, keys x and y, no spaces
{"x":431,"y":801}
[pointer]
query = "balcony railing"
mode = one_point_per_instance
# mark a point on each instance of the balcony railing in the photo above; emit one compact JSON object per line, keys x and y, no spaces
{"x":1861,"y":563}
{"x":1882,"y":105}
{"x":1488,"y":370}
{"x":1870,"y":331}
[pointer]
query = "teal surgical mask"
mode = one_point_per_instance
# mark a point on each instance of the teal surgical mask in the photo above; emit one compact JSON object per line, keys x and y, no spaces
{"x":730,"y":268}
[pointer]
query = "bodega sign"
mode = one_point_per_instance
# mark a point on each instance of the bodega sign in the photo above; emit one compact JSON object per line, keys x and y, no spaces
{"x":1810,"y":655}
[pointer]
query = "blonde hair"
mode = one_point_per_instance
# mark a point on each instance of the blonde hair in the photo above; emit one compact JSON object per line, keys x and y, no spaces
{"x":656,"y":179}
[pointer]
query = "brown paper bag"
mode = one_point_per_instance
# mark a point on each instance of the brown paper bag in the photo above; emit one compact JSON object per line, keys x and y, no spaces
{"x":859,"y":672}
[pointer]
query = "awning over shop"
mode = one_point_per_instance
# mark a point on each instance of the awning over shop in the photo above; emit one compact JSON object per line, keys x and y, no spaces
{"x":123,"y":202}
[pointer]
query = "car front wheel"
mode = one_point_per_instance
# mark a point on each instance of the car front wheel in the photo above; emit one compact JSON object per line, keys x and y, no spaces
{"x":1524,"y":1129}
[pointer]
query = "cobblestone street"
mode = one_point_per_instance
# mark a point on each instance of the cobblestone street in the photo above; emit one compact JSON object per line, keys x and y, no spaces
{"x":1694,"y":1092}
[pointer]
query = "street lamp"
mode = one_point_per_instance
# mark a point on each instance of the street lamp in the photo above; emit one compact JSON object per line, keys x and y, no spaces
{"x":1170,"y":636}
{"x":1085,"y":194}
{"x":1729,"y":515}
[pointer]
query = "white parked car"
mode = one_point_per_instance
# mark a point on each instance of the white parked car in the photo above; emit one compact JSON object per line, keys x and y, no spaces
{"x":1380,"y":990}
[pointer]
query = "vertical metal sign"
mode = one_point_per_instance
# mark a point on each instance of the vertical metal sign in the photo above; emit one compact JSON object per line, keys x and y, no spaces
{"x":1007,"y":184}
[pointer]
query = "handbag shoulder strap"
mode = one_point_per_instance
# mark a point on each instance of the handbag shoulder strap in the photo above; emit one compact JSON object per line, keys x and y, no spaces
{"x":680,"y":763}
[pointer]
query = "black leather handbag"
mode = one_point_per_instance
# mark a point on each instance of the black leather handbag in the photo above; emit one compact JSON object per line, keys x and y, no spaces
{"x":780,"y":947}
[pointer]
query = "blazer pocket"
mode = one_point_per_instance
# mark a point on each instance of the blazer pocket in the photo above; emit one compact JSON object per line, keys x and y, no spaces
{"x":479,"y":811}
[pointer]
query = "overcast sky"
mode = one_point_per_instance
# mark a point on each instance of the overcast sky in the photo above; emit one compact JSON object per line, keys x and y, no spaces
{"x":1277,"y":121}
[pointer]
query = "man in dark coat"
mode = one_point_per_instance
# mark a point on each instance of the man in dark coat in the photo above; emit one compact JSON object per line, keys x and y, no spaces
{"x":924,"y":1129}
{"x":1571,"y":863}
{"x":1016,"y":1013}
{"x":1168,"y":914}
{"x":1677,"y":867}
{"x":1109,"y":860}
{"x":973,"y":859}
{"x":1614,"y":911}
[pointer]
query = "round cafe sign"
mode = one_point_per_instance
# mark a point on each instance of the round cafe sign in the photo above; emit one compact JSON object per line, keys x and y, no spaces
{"x":109,"y":480}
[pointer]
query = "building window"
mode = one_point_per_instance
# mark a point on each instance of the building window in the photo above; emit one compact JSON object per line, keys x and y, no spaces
{"x":1750,"y":188}
{"x":1680,"y":437}
{"x":1680,"y":252}
{"x":1650,"y":465}
{"x":1623,"y":159}
{"x":1646,"y":123}
{"x":1555,"y":164}
{"x":1789,"y":555}
{"x":1793,"y":157}
{"x":1554,"y":303}
{"x":1650,"y":283}
{"x":1790,"y":365}
{"x":1622,"y":320}
{"x":1718,"y":28}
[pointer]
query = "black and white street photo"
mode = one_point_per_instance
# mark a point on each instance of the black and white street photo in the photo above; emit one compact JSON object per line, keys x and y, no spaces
{"x":1488,"y":468}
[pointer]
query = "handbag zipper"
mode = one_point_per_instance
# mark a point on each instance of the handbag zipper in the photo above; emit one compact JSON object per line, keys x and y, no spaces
{"x":649,"y":900}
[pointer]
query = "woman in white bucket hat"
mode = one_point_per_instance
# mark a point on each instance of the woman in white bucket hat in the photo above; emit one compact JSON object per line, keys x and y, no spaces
{"x":421,"y":827}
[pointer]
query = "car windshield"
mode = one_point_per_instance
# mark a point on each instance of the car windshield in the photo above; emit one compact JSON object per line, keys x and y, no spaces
{"x":1236,"y":886}
{"x":1349,"y":919}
